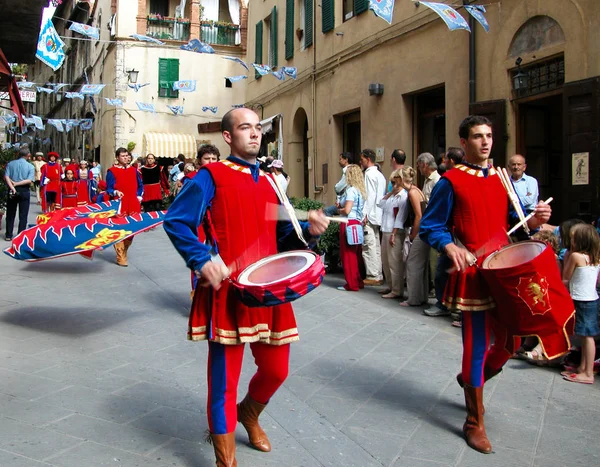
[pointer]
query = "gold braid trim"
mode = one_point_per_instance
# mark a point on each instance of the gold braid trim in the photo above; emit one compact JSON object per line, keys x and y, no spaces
{"x":258,"y":333}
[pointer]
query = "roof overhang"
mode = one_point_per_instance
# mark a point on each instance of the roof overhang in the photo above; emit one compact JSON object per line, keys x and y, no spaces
{"x":19,"y":29}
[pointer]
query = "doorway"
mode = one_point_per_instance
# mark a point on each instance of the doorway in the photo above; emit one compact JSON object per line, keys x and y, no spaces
{"x":351,"y":128}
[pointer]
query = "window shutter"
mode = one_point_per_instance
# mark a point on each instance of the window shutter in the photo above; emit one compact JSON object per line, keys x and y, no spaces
{"x":360,"y":6}
{"x":327,"y":15}
{"x":163,"y":76}
{"x":274,"y":48}
{"x":173,"y":76}
{"x":308,"y":23}
{"x":289,"y":29}
{"x":258,"y":46}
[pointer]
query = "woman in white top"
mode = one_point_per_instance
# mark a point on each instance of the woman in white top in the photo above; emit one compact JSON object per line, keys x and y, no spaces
{"x":351,"y":205}
{"x":393,"y":205}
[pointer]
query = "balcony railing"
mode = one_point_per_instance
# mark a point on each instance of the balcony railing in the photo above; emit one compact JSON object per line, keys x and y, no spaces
{"x":177,"y":29}
{"x":212,"y":33}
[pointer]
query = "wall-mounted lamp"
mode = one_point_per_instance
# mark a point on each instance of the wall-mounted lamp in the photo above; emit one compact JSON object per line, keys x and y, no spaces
{"x":133,"y":75}
{"x":375,"y":89}
{"x":520,"y":79}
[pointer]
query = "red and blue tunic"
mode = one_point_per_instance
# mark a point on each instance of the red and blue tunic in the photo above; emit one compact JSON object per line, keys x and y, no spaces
{"x":128,"y":181}
{"x":69,"y":193}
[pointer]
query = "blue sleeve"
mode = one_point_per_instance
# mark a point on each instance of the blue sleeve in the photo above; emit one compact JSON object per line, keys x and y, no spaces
{"x":288,"y":240}
{"x":8,"y":171}
{"x":185,"y":216}
{"x":140,"y":184}
{"x":110,"y":183}
{"x":30,"y":173}
{"x":435,"y":223}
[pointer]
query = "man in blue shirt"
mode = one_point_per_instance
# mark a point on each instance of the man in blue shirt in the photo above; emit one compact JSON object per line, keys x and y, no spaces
{"x":525,"y":186}
{"x":19,"y":175}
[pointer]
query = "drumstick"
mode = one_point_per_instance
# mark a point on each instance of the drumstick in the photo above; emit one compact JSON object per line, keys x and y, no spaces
{"x":512,"y":194}
{"x":524,"y":221}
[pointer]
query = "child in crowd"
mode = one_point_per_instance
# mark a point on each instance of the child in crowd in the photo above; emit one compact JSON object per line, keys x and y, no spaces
{"x":69,"y":190}
{"x":580,"y":274}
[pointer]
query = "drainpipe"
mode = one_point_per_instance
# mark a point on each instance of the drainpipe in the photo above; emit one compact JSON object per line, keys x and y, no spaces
{"x":472,"y":59}
{"x":317,"y":188}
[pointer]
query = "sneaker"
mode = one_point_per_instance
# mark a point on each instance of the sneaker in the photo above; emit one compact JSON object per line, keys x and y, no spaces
{"x":435,"y":311}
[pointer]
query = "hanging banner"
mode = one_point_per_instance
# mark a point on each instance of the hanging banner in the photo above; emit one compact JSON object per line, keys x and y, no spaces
{"x":8,"y":119}
{"x":56,"y":123}
{"x":50,"y":47}
{"x":279,"y":74}
{"x":37,"y":121}
{"x":291,"y":71}
{"x":235,"y":79}
{"x":211,"y":109}
{"x":237,"y":60}
{"x":26,"y":96}
{"x":176,"y":109}
{"x":70,"y":124}
{"x":146,"y":107}
{"x":86,"y":30}
{"x":451,"y":17}
{"x":143,"y":38}
{"x":477,"y":11}
{"x":73,"y":95}
{"x":136,"y":87}
{"x":91,"y":89}
{"x":196,"y":46}
{"x":57,"y":87}
{"x":86,"y":124}
{"x":25,"y":84}
{"x":46,"y":90}
{"x":115,"y":102}
{"x":383,"y":9}
{"x":188,"y":85}
{"x":262,"y":70}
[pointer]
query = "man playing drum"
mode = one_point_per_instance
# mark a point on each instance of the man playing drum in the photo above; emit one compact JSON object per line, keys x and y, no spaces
{"x":470,"y":206}
{"x":224,"y":205}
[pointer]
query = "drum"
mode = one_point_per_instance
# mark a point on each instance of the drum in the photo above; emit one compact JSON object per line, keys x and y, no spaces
{"x":531,"y":299}
{"x":279,"y":278}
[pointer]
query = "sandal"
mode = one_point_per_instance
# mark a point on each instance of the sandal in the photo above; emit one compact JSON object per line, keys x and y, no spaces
{"x":405,"y":303}
{"x":390,"y":295}
{"x":457,"y":323}
{"x":384,"y":291}
{"x":573,"y":377}
{"x":536,"y":356}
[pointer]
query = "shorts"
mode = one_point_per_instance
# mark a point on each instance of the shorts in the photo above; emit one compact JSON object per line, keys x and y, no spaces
{"x":586,"y":318}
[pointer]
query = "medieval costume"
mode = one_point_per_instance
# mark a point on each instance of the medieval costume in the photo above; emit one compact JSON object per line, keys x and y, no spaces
{"x":154,"y":180}
{"x":50,"y":183}
{"x":69,"y":193}
{"x":86,"y":185}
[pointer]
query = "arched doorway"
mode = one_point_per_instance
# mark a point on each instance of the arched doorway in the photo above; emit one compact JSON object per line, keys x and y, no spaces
{"x":299,"y":155}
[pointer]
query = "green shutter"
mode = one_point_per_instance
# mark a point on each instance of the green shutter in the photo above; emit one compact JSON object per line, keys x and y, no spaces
{"x":274,"y":37}
{"x":258,"y":47}
{"x":360,"y":6}
{"x":327,"y":16}
{"x":173,"y":76}
{"x":308,"y":23}
{"x":163,"y":77}
{"x":289,"y":29}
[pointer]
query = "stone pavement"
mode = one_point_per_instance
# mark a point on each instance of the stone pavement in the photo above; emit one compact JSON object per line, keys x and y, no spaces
{"x":95,"y":371}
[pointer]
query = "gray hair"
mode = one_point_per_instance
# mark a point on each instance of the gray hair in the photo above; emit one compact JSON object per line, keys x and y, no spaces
{"x":24,"y":151}
{"x":427,"y":159}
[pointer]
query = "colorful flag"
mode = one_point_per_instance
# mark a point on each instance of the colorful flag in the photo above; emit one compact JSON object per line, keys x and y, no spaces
{"x":29,"y":121}
{"x":57,"y":87}
{"x":56,"y":123}
{"x":37,"y":121}
{"x":136,"y":87}
{"x":196,"y":46}
{"x":70,"y":124}
{"x":73,"y":95}
{"x":46,"y":90}
{"x":235,"y":79}
{"x":91,"y":89}
{"x":188,"y":85}
{"x":279,"y":74}
{"x":86,"y":123}
{"x":50,"y":47}
{"x":143,"y":38}
{"x":176,"y":109}
{"x":211,"y":109}
{"x":237,"y":106}
{"x":291,"y":71}
{"x":146,"y":107}
{"x":237,"y":60}
{"x":262,"y":70}
{"x":25,"y":84}
{"x":86,"y":30}
{"x":46,"y":141}
{"x":8,"y":119}
{"x":115,"y":102}
{"x":451,"y":17}
{"x":477,"y":11}
{"x":382,"y":8}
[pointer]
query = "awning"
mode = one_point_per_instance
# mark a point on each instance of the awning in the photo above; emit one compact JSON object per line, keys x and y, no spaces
{"x":275,"y":123}
{"x":169,"y":145}
{"x":267,"y":123}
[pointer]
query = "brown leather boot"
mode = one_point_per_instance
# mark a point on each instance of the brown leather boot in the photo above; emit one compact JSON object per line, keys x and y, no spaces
{"x":224,"y":446}
{"x":121,"y":254}
{"x":473,"y":429}
{"x":247,"y":412}
{"x":487,"y":375}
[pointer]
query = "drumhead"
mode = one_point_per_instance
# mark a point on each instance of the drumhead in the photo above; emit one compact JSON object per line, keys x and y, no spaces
{"x":277,"y":268}
{"x":514,"y":255}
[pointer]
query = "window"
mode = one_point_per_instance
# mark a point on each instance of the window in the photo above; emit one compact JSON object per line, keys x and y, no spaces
{"x":168,"y":73}
{"x":354,"y":7}
{"x":289,"y":29}
{"x":327,"y":17}
{"x":258,"y":47}
{"x":159,"y":7}
{"x":308,"y":23}
{"x":348,"y":9}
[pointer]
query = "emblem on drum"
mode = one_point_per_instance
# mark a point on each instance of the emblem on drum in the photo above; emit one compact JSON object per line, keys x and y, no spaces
{"x":534,"y":292}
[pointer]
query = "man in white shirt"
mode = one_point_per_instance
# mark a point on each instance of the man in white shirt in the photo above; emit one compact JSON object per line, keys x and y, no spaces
{"x":525,"y":186}
{"x":375,"y":183}
{"x":344,"y":160}
{"x":428,"y":168}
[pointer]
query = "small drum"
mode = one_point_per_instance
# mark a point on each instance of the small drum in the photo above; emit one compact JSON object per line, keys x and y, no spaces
{"x":531,"y":299}
{"x":279,"y":278}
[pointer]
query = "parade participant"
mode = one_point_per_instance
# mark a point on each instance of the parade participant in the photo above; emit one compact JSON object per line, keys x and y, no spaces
{"x":471,"y":203}
{"x":86,"y":185}
{"x":230,"y":198}
{"x":102,"y":195}
{"x":68,"y":188}
{"x":153,"y":180}
{"x":123,"y":181}
{"x":50,"y":183}
{"x":38,"y":163}
{"x":19,"y":175}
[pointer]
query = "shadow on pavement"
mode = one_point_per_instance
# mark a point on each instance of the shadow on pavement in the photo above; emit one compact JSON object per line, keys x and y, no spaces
{"x":61,"y":266}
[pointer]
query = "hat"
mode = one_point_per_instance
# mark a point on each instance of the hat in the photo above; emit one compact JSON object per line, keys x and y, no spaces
{"x":67,"y":159}
{"x":277,"y":163}
{"x":53,"y":154}
{"x":83,"y":162}
{"x":39,"y":154}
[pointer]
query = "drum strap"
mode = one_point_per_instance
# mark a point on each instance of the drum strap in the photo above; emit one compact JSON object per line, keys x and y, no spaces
{"x":287,"y":205}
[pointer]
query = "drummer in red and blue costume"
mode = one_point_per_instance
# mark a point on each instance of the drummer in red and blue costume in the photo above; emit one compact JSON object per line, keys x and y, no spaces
{"x":471,"y":205}
{"x":233,"y":206}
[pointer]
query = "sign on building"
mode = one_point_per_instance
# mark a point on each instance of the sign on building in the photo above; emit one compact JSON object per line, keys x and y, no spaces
{"x":26,"y":95}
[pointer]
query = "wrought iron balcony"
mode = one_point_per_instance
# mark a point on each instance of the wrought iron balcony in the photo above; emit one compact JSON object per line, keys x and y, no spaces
{"x":220,"y":34}
{"x":166,"y":28}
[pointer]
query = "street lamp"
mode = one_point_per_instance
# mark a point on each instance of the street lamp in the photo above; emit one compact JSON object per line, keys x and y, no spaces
{"x":133,"y":75}
{"x":520,"y":79}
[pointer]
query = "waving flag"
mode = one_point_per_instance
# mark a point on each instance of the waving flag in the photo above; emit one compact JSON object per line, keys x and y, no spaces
{"x":8,"y":119}
{"x":176,"y":109}
{"x":234,"y":79}
{"x":146,"y":107}
{"x":29,"y":121}
{"x":188,"y":85}
{"x":280,"y":75}
{"x":46,"y":90}
{"x":86,"y":30}
{"x":136,"y":87}
{"x":57,"y":87}
{"x":291,"y":71}
{"x":451,"y":17}
{"x":73,"y":95}
{"x":196,"y":46}
{"x":211,"y":109}
{"x":56,"y":123}
{"x":70,"y":124}
{"x":86,"y":124}
{"x":115,"y":102}
{"x":262,"y":70}
{"x":50,"y":47}
{"x":25,"y":84}
{"x":477,"y":11}
{"x":237,"y":60}
{"x":382,"y":8}
{"x":237,"y":106}
{"x":91,"y":89}
{"x":143,"y":38}
{"x":37,"y":121}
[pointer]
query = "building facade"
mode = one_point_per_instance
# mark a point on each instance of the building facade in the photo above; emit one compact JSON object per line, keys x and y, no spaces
{"x":432,"y":78}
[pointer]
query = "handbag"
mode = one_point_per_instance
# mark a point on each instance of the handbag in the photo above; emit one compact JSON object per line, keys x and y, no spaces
{"x":355,"y":234}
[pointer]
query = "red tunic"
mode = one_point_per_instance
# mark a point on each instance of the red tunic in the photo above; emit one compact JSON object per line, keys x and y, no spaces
{"x":51,"y":171}
{"x":126,"y":181}
{"x":69,"y":193}
{"x":83,"y":187}
{"x":152,"y":180}
{"x":244,"y":216}
{"x":480,"y":220}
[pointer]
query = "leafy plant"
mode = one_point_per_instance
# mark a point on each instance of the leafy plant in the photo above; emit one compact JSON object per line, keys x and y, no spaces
{"x":131,"y":146}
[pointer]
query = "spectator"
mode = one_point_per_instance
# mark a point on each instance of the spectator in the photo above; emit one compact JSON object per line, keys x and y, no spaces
{"x":525,"y":186}
{"x":96,"y":171}
{"x":277,"y":167}
{"x":397,"y":161}
{"x":344,"y":159}
{"x":38,"y":163}
{"x":177,"y":168}
{"x":208,"y":154}
{"x":19,"y":175}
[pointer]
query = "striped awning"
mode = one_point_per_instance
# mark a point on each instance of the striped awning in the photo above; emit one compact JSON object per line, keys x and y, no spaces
{"x":169,"y":144}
